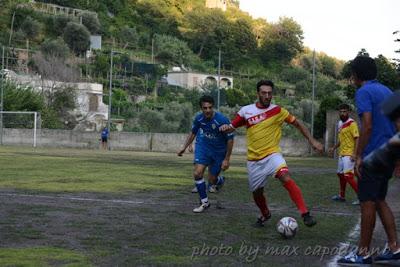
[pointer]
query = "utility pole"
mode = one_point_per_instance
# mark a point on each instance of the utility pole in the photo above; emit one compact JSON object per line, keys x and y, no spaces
{"x":109,"y":99}
{"x":11,"y":33}
{"x":2,"y":96}
{"x":152,"y":50}
{"x":313,"y":96}
{"x":219,"y":79}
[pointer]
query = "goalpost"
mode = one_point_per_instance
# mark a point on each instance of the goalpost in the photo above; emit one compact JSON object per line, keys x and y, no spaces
{"x":19,"y":121}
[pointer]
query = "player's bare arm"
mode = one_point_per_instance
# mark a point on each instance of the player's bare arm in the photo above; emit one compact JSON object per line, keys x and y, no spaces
{"x":354,"y":157}
{"x":225,"y":164}
{"x":189,"y":140}
{"x":306,"y":133}
{"x":226,"y":128}
{"x":333,"y":148}
{"x":365,"y":134}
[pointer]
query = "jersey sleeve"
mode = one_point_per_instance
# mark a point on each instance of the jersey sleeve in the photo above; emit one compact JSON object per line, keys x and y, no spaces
{"x":239,"y":120}
{"x":228,"y":136}
{"x":354,"y":130}
{"x":363,"y":102}
{"x":287,"y":117}
{"x":195,"y":125}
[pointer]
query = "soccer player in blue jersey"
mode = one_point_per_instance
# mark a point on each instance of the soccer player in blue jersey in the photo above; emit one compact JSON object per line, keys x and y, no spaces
{"x":213,"y":148}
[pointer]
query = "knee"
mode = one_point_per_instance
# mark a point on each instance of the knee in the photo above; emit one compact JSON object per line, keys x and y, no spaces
{"x":258,"y":191}
{"x":284,"y":178}
{"x":197,"y":175}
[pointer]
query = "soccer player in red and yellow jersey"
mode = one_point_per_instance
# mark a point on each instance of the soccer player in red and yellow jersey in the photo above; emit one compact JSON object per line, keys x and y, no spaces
{"x":347,"y":144}
{"x":264,"y":129}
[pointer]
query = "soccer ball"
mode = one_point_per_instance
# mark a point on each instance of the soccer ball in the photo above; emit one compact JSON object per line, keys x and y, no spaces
{"x":287,"y":227}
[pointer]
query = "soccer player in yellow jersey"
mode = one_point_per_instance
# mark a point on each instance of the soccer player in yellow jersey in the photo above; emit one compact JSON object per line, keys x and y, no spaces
{"x":264,"y":129}
{"x":347,"y":144}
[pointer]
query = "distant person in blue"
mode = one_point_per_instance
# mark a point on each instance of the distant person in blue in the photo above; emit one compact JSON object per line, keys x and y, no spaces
{"x":213,"y":148}
{"x":376,"y":130}
{"x":104,"y":137}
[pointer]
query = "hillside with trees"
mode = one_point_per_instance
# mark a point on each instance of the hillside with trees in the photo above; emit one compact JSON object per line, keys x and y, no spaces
{"x":149,"y":37}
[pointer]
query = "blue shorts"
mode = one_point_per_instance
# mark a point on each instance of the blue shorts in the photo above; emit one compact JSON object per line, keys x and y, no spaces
{"x":210,"y":158}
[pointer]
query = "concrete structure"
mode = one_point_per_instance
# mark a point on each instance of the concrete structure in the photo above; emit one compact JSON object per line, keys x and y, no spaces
{"x":221,"y":4}
{"x":157,"y":142}
{"x":195,"y":80}
{"x":90,"y":110}
{"x":53,"y":9}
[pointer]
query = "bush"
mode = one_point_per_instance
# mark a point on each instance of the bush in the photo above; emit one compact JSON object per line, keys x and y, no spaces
{"x":77,"y":37}
{"x":31,"y":28}
{"x":55,"y":48}
{"x":91,"y":22}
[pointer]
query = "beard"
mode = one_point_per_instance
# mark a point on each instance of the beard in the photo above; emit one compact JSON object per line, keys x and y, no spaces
{"x":344,"y":118}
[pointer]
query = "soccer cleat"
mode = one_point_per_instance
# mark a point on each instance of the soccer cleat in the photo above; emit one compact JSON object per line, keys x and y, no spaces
{"x":194,"y":190}
{"x":308,"y":219}
{"x":338,"y":198}
{"x":219,"y":187}
{"x":262,"y":220}
{"x":353,"y":259}
{"x":213,"y":188}
{"x":387,"y":256}
{"x":202,"y":207}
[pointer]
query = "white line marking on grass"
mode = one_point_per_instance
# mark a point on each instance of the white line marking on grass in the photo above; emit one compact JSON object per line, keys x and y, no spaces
{"x":345,"y":246}
{"x":76,"y":198}
{"x":161,"y":203}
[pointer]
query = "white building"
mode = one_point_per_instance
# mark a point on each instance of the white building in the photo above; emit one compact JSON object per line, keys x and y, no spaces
{"x":221,"y":4}
{"x":90,"y":110}
{"x":195,"y":80}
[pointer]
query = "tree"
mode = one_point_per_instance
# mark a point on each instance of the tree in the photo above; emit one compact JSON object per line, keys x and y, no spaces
{"x":17,"y":98}
{"x":55,"y":48}
{"x":30,"y":28}
{"x":77,"y":37}
{"x":91,"y":22}
{"x":397,"y":33}
{"x":282,"y":41}
{"x":200,"y":29}
{"x":236,"y":97}
{"x":387,"y":73}
{"x":327,"y":103}
{"x":53,"y":70}
{"x":172,"y":51}
{"x":59,"y":23}
{"x":129,"y":37}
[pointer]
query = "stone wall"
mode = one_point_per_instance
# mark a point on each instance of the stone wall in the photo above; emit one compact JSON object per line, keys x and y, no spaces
{"x":157,"y":142}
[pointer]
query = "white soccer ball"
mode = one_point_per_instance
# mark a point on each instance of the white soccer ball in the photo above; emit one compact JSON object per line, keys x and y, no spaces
{"x":287,"y":227}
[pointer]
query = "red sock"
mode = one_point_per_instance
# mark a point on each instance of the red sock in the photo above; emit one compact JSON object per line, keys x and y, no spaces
{"x":261,"y":202}
{"x":295,"y":195}
{"x":349,"y":177}
{"x":342,"y":185}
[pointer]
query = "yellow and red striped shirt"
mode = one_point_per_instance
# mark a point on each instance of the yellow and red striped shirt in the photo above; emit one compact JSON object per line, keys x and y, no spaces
{"x":348,"y":131}
{"x":264,"y":128}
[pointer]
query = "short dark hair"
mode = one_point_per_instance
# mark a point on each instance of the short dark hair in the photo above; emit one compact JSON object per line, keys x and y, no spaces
{"x":344,"y":106}
{"x":264,"y":82}
{"x":206,"y":99}
{"x":364,"y":68}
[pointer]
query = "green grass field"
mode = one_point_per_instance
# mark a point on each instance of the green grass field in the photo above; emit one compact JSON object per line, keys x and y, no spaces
{"x":99,"y":208}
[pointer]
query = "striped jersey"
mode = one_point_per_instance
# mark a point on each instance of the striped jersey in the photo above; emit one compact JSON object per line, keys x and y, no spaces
{"x":348,"y":131}
{"x":264,"y":128}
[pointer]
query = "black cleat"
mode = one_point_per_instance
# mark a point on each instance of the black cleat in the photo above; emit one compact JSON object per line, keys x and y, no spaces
{"x":262,"y":220}
{"x":308,"y":219}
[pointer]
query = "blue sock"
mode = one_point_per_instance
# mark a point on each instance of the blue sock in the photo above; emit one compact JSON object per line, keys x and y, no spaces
{"x":202,"y":189}
{"x":220,"y":180}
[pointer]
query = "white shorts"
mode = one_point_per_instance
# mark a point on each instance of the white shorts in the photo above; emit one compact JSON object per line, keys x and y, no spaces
{"x":260,"y":170}
{"x":345,"y":164}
